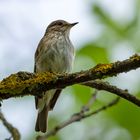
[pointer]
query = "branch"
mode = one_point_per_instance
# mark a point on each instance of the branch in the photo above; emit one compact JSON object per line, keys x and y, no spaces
{"x":83,"y":110}
{"x":78,"y":117}
{"x":115,"y":101}
{"x":14,"y":132}
{"x":100,"y":85}
{"x":24,"y":83}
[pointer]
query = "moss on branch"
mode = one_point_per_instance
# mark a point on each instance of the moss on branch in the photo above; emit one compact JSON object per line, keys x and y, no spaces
{"x":25,"y":83}
{"x":17,"y":83}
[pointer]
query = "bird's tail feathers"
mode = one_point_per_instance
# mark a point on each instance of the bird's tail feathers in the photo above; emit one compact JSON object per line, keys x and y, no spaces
{"x":41,"y":122}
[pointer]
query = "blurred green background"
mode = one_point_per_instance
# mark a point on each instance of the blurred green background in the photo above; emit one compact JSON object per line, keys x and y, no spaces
{"x":120,"y":122}
{"x":117,"y":38}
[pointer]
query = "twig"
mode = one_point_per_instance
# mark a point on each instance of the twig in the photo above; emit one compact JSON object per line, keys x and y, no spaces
{"x":78,"y":117}
{"x":86,"y":107}
{"x":14,"y":131}
{"x":74,"y":117}
{"x":115,"y":101}
{"x":100,"y":85}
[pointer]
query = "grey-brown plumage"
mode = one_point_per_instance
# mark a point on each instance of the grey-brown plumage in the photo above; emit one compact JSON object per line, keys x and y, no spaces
{"x":55,"y":53}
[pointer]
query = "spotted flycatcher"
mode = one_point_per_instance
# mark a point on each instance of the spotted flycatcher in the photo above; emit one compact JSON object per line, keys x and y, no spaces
{"x":55,"y":53}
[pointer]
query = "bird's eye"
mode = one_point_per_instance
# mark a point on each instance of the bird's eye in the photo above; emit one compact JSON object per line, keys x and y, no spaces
{"x":60,"y":23}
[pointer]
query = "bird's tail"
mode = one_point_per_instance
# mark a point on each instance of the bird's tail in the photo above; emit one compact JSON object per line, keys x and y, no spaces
{"x":41,"y":122}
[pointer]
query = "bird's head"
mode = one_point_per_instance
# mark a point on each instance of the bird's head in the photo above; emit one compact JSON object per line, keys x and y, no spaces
{"x":60,"y":26}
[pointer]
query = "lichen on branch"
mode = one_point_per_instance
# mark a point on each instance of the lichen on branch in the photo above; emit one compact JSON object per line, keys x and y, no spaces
{"x":17,"y":83}
{"x":25,"y":83}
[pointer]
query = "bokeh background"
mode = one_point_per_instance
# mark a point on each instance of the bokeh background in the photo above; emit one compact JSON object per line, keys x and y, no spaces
{"x":108,"y":30}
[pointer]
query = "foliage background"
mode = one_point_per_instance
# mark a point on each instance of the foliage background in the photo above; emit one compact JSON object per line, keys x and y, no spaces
{"x":109,"y":30}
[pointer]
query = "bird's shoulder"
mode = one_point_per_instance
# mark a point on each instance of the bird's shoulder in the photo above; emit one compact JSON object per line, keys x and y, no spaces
{"x":43,"y":44}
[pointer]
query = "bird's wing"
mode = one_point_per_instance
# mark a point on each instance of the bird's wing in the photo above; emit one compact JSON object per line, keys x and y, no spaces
{"x":36,"y":98}
{"x":54,"y":99}
{"x":38,"y":51}
{"x":37,"y":56}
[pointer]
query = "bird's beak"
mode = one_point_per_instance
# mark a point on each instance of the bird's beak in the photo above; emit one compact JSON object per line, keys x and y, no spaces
{"x":73,"y":24}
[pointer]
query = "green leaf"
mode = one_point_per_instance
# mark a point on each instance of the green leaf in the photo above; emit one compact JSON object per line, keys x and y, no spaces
{"x":82,"y":93}
{"x":127,"y":115}
{"x":96,"y":53}
{"x":107,"y":20}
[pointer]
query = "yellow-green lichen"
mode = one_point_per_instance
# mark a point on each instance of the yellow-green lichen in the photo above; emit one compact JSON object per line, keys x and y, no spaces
{"x":15,"y":84}
{"x":103,"y":68}
{"x":135,"y":57}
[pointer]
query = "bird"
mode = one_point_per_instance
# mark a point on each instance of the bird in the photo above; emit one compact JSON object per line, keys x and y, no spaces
{"x":55,"y":53}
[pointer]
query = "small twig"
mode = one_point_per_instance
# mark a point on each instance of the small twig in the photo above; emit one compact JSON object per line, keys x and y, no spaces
{"x":90,"y":102}
{"x":79,"y":116}
{"x":14,"y":131}
{"x":100,"y":85}
{"x":73,"y":118}
{"x":115,"y":101}
{"x":86,"y":107}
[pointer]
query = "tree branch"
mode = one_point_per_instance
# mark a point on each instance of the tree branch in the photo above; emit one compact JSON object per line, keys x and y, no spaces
{"x":100,"y":85}
{"x":14,"y":132}
{"x":24,"y":83}
{"x":78,"y":117}
{"x":75,"y":116}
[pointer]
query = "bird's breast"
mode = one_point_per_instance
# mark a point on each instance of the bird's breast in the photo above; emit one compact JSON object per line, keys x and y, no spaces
{"x":59,"y":57}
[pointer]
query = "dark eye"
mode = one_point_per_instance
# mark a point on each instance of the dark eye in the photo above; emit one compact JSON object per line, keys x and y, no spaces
{"x":56,"y":23}
{"x":60,"y":23}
